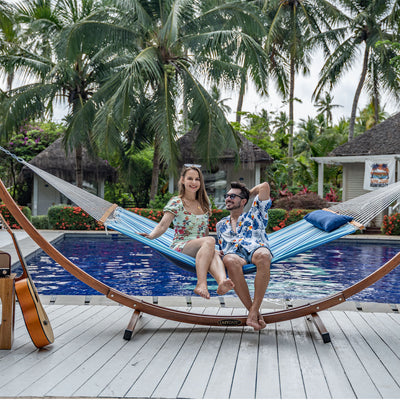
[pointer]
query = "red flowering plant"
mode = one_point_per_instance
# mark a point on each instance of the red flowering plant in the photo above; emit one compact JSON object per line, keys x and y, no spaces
{"x":11,"y":222}
{"x":71,"y":218}
{"x":391,"y":224}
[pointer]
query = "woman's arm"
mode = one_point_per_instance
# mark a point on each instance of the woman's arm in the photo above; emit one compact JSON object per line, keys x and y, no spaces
{"x":161,"y":227}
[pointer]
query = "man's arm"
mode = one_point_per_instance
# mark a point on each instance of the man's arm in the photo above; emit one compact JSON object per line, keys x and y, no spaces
{"x":262,"y":190}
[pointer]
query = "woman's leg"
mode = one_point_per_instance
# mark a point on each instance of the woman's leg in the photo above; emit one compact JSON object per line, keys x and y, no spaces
{"x":203,"y":249}
{"x":217,"y":270}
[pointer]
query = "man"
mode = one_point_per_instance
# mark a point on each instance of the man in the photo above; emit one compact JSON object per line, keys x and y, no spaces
{"x":243,"y":240}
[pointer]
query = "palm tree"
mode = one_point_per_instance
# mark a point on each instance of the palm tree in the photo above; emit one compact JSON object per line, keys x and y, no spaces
{"x":325,"y":107}
{"x":370,"y":21}
{"x":163,"y":48}
{"x":57,"y":72}
{"x":8,"y":38}
{"x":296,"y":29}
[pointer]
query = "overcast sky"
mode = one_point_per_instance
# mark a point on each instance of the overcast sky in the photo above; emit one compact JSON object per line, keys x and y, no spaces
{"x":343,"y":95}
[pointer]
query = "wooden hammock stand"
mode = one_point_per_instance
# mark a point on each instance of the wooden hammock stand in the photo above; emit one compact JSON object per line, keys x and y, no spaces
{"x":139,"y":306}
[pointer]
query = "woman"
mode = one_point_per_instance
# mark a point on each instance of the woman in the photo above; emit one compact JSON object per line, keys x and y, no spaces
{"x":189,"y":213}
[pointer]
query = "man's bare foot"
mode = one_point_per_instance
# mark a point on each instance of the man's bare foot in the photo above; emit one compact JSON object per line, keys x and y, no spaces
{"x":253,"y":320}
{"x":202,"y":291}
{"x":225,"y":286}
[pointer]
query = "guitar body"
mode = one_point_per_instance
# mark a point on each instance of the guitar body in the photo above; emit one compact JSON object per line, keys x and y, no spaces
{"x":35,"y":317}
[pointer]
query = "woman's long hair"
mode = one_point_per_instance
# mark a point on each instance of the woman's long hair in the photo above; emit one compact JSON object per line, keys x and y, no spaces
{"x":201,"y":194}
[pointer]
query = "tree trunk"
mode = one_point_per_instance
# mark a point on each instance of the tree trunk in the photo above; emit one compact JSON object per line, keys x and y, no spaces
{"x":376,"y":103}
{"x":291,"y":120}
{"x":156,"y":169}
{"x":78,"y":166}
{"x":291,"y":107}
{"x":358,"y":93}
{"x":241,"y":97}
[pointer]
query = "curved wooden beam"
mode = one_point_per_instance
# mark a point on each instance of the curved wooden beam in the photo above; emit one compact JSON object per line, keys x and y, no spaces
{"x":182,"y":316}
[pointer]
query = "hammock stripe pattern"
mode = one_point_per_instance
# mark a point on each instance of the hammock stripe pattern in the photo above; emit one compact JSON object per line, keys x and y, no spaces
{"x":289,"y":241}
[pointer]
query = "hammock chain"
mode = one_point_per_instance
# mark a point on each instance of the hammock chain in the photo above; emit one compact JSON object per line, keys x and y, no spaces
{"x":19,"y":159}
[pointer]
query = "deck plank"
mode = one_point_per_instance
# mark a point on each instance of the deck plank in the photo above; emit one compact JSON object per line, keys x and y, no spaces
{"x":85,"y":362}
{"x":113,"y":367}
{"x":124,"y":380}
{"x":268,"y":381}
{"x":315,"y":383}
{"x":167,"y":359}
{"x":195,"y":384}
{"x":220,"y":382}
{"x":291,"y":379}
{"x":336,"y":378}
{"x":23,"y":354}
{"x":37,"y":365}
{"x":147,"y":382}
{"x":381,"y":362}
{"x":358,"y":376}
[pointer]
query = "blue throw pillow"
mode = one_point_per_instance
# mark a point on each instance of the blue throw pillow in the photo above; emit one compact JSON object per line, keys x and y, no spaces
{"x":326,"y":220}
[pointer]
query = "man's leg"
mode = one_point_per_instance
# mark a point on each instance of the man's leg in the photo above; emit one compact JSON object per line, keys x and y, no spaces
{"x":234,"y":264}
{"x":262,"y":260}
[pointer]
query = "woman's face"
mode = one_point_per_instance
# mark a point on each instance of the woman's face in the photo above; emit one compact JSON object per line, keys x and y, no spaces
{"x":191,"y":181}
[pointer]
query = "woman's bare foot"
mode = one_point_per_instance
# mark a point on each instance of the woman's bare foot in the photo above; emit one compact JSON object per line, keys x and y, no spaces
{"x":225,"y":286}
{"x":253,"y":320}
{"x":261,"y":321}
{"x":202,"y":291}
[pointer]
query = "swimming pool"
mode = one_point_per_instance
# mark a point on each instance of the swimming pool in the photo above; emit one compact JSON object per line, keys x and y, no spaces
{"x":137,"y":269}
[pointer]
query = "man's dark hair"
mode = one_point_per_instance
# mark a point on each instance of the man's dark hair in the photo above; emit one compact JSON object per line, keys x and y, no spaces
{"x":244,"y":192}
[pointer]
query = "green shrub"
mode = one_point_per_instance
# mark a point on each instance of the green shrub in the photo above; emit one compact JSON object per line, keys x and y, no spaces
{"x":12,"y":223}
{"x":71,"y":218}
{"x":296,"y":215}
{"x":391,"y":224}
{"x":40,"y":222}
{"x":275,"y":217}
{"x":161,"y":200}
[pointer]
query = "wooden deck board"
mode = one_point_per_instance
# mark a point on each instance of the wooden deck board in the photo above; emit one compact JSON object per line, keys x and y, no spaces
{"x":167,"y":359}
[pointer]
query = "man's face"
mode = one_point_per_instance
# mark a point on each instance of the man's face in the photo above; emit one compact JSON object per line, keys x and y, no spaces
{"x":233,"y":201}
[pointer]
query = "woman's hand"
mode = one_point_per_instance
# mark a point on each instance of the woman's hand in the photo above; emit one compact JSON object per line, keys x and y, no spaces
{"x":146,"y":235}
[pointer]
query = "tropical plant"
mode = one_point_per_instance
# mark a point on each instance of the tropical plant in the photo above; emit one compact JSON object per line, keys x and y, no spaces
{"x":162,"y":49}
{"x":324,"y":106}
{"x":296,"y":29}
{"x":369,"y":22}
{"x":58,"y":69}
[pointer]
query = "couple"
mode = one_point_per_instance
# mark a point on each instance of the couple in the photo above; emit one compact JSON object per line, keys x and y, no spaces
{"x":241,"y":237}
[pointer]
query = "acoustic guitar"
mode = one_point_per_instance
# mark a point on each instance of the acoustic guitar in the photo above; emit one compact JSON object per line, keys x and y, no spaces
{"x":35,"y":317}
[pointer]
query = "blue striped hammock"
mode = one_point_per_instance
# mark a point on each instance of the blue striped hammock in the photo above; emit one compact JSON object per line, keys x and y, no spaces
{"x":286,"y":242}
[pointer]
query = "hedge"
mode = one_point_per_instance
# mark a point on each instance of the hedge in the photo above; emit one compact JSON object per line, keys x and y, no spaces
{"x":74,"y":218}
{"x":12,"y":223}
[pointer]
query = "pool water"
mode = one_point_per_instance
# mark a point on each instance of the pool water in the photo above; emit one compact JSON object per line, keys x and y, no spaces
{"x":139,"y":270}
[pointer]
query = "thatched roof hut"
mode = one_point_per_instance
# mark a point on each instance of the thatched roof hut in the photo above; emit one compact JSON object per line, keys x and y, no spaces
{"x":249,"y":153}
{"x":55,"y":161}
{"x":383,"y":138}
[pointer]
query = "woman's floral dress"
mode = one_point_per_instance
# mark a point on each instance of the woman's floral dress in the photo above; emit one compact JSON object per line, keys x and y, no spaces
{"x":187,"y":226}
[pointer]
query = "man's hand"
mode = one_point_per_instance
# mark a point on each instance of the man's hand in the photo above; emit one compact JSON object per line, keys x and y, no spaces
{"x":262,"y":190}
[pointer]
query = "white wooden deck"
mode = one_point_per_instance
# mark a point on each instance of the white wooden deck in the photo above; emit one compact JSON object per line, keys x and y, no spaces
{"x":166,"y":359}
